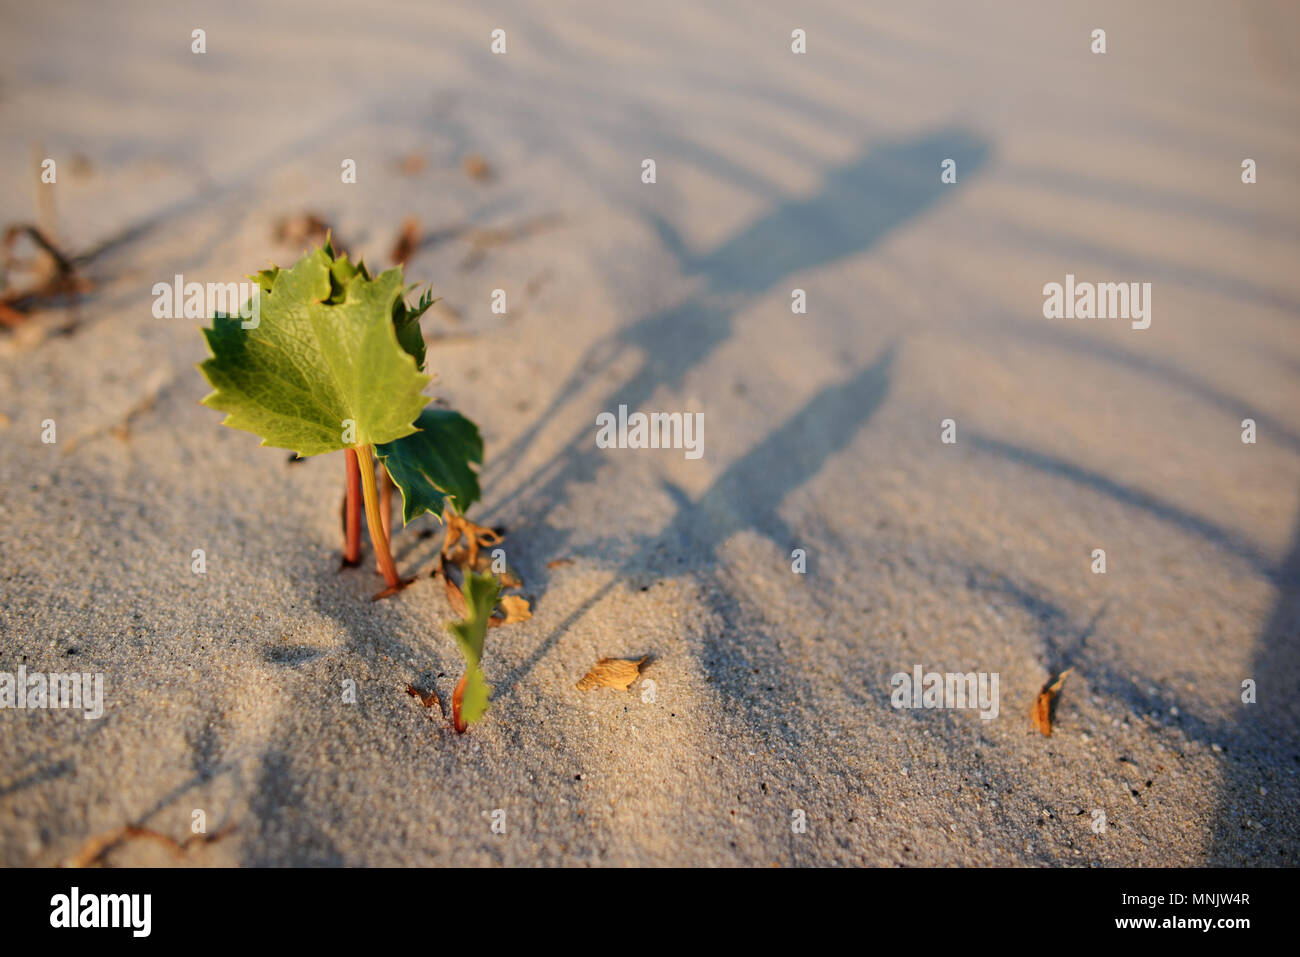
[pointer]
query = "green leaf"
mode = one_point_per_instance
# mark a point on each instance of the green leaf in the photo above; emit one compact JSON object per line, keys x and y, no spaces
{"x":422,"y":306}
{"x":481,"y":592}
{"x":342,"y":272}
{"x":407,"y":322}
{"x":474,"y":699}
{"x":325,"y":351}
{"x":433,"y":465}
{"x":266,"y":278}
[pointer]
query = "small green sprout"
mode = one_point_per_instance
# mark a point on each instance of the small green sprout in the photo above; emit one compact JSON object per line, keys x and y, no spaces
{"x":470,"y":699}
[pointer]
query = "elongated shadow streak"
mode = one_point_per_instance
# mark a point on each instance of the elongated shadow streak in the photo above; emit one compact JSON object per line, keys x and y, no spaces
{"x":49,"y":772}
{"x":1064,"y":641}
{"x":1044,"y":241}
{"x":1250,"y":827}
{"x":1263,"y":745}
{"x":285,"y":835}
{"x":1151,"y":368}
{"x":746,"y":496}
{"x":1211,"y":532}
{"x":857,"y":206}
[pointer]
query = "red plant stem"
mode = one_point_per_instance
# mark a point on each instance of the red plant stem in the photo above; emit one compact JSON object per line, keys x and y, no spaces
{"x":386,"y":503}
{"x":373,"y":521}
{"x":352,"y":507}
{"x":456,"y":697}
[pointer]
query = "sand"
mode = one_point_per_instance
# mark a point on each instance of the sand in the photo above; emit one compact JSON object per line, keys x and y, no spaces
{"x":224,"y":692}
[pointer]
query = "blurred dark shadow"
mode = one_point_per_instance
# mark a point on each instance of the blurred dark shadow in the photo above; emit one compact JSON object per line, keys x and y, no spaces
{"x":1262,"y":747}
{"x":746,"y":496}
{"x":856,"y":207}
{"x":1251,"y":827}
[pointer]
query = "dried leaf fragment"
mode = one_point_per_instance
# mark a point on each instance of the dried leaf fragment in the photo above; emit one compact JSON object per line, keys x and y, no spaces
{"x":612,"y":673}
{"x":1041,"y":714}
{"x":408,"y":241}
{"x":454,"y":596}
{"x":427,"y":698}
{"x":516,"y":609}
{"x":476,"y":167}
{"x":476,"y":537}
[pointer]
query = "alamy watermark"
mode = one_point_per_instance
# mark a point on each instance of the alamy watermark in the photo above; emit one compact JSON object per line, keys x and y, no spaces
{"x":932,"y":689}
{"x":196,"y":300}
{"x":53,"y":690}
{"x":130,"y":911}
{"x":653,"y":430}
{"x":1102,"y":300}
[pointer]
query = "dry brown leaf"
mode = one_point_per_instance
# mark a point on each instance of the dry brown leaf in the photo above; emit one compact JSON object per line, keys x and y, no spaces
{"x":507,"y":578}
{"x":559,"y":562}
{"x":427,"y":698}
{"x":516,"y":609}
{"x":408,"y":241}
{"x":612,"y":673}
{"x":462,"y":550}
{"x":475,"y":536}
{"x":412,"y":163}
{"x":476,"y":167}
{"x":1041,"y":714}
{"x":455,"y":597}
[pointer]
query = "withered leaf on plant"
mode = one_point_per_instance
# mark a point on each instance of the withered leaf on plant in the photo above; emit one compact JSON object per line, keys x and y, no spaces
{"x":1041,"y":714}
{"x":463,"y":548}
{"x":454,"y":596}
{"x":476,"y":537}
{"x":514,"y":608}
{"x":612,"y":673}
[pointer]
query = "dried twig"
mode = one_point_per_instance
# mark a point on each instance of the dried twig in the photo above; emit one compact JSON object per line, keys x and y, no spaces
{"x":95,"y":849}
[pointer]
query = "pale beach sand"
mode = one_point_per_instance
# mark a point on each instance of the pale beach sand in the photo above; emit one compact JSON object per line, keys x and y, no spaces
{"x":775,"y":171}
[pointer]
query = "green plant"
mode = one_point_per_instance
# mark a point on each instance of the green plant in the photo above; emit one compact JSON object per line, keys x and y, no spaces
{"x":334,"y":363}
{"x":470,"y":699}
